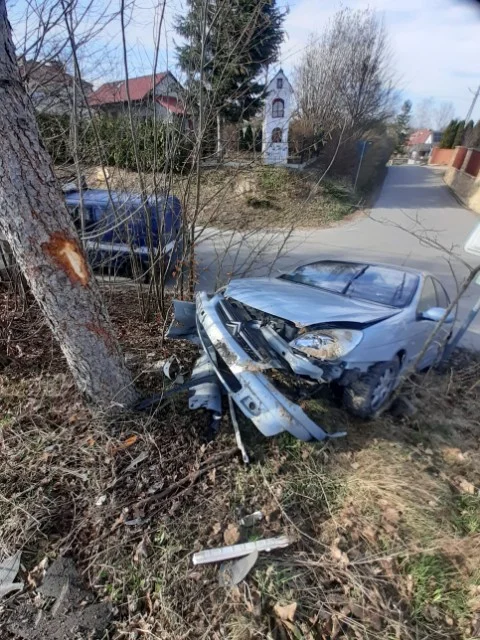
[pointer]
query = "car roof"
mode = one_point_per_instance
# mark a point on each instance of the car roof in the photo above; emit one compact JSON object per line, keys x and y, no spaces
{"x":385,"y":265}
{"x":102,"y":197}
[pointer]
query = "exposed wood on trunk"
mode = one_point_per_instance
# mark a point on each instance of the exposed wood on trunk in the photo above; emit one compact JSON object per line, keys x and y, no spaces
{"x":41,"y":233}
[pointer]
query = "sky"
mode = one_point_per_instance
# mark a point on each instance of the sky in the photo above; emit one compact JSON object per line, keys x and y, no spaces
{"x":435,"y":43}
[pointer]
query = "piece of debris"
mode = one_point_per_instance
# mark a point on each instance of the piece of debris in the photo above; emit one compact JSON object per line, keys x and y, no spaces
{"x":239,"y":550}
{"x":172,"y":370}
{"x":251,"y":519}
{"x":233,"y":572}
{"x":9,"y":567}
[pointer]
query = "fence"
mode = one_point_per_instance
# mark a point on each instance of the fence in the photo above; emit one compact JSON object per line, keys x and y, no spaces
{"x":462,"y":174}
{"x":441,"y":157}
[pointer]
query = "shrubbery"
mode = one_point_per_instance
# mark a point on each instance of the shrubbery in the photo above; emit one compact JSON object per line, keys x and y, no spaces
{"x":160,"y":147}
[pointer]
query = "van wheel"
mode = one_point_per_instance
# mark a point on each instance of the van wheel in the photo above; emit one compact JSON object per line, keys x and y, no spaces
{"x":370,"y":394}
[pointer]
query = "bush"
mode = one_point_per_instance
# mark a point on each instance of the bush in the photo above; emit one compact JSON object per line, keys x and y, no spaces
{"x":160,"y":147}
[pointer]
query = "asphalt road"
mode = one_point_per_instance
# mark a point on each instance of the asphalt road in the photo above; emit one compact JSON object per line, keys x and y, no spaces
{"x":413,"y":210}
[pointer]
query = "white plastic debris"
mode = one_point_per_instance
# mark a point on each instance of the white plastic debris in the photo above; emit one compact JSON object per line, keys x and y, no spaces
{"x":101,"y":500}
{"x":251,"y":519}
{"x":238,"y":550}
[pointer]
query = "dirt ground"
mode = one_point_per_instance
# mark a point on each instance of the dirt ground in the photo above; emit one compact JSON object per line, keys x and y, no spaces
{"x":384,"y":524}
{"x":250,"y":197}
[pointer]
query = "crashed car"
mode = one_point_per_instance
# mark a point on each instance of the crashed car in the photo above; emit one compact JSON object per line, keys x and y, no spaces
{"x":354,"y":324}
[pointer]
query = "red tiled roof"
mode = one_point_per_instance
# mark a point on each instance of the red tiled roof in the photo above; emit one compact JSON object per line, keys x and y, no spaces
{"x":171,"y":104}
{"x":419,"y":137}
{"x":111,"y":92}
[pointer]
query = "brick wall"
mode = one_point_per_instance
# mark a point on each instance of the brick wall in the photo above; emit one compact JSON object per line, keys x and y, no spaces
{"x":442,"y":156}
{"x":473,"y":165}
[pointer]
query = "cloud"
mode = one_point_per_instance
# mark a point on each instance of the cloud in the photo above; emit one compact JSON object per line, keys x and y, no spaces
{"x":434,"y":43}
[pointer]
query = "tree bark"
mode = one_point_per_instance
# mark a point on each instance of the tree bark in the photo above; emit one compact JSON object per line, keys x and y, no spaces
{"x":42,"y":236}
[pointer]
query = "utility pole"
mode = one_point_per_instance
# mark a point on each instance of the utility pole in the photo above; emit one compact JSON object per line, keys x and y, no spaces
{"x":472,"y":106}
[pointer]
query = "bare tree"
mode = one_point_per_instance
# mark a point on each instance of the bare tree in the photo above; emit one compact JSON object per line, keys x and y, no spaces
{"x":345,"y":75}
{"x":424,"y":114}
{"x":35,"y":222}
{"x":443,"y":114}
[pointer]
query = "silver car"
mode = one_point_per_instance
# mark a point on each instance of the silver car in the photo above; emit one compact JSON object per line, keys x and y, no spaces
{"x":351,"y":323}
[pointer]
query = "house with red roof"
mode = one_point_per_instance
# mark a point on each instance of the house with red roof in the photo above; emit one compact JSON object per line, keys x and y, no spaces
{"x":423,"y":141}
{"x":160,"y":93}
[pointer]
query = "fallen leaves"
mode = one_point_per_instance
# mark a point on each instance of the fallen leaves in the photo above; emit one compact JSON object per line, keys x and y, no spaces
{"x":231,"y":535}
{"x":285,"y":612}
{"x":141,"y":552}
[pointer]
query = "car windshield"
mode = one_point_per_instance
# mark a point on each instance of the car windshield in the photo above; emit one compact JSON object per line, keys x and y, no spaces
{"x":376,"y":284}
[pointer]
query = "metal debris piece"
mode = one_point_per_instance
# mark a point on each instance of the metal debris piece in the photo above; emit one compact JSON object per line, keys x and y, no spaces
{"x":238,"y":550}
{"x":233,"y":572}
{"x":172,"y":370}
{"x":251,"y":519}
{"x":9,"y":568}
{"x":236,"y":428}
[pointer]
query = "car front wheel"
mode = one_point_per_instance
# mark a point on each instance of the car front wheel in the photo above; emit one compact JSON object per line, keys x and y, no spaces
{"x":367,"y":396}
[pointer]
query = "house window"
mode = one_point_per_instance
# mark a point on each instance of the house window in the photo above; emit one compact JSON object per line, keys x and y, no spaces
{"x":279,"y":83}
{"x":278,"y":108}
{"x":277,"y":135}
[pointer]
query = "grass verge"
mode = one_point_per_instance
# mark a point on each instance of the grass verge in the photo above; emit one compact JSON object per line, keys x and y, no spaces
{"x":384,"y":523}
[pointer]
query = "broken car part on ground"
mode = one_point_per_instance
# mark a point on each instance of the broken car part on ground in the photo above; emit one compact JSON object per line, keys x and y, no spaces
{"x":356,"y":325}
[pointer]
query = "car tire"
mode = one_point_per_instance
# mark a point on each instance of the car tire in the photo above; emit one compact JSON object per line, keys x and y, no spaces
{"x":369,"y":395}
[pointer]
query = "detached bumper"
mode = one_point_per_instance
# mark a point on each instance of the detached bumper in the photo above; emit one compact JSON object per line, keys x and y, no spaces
{"x":242,"y":375}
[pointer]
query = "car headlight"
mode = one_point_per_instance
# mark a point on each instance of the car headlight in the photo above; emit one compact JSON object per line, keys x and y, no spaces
{"x":327,"y":344}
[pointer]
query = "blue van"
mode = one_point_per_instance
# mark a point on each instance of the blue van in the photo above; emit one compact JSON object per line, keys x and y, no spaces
{"x":126,"y":234}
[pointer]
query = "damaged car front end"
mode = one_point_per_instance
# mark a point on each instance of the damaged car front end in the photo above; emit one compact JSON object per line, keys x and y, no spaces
{"x":242,"y":351}
{"x":272,"y":341}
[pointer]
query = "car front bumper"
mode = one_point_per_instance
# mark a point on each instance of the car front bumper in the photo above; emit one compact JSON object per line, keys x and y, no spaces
{"x":243,"y":376}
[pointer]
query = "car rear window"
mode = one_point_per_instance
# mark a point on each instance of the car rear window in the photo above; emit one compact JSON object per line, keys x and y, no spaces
{"x":382,"y":285}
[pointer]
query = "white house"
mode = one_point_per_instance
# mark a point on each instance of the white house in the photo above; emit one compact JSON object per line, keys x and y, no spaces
{"x":278,"y":110}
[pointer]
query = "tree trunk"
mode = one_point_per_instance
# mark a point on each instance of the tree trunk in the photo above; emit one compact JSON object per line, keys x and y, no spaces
{"x":40,"y":231}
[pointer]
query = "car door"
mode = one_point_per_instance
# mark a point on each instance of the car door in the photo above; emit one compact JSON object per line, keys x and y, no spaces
{"x":423,"y":328}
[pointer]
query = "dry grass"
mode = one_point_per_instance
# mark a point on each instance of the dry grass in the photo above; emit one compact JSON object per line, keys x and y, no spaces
{"x":385,"y":523}
{"x":255,"y":197}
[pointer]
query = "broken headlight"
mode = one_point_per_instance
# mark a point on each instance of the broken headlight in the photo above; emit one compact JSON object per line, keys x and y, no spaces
{"x":327,"y":344}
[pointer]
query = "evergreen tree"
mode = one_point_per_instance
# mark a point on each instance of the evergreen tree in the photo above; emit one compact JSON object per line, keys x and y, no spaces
{"x":448,"y":136}
{"x":242,"y":37}
{"x":402,"y":126}
{"x":475,"y":142}
{"x":459,"y":134}
{"x":468,"y":134}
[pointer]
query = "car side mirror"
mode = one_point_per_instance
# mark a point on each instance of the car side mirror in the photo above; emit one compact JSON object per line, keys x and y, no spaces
{"x":435,"y":314}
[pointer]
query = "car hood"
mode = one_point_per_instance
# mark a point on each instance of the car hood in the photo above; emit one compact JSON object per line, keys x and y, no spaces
{"x":304,"y":305}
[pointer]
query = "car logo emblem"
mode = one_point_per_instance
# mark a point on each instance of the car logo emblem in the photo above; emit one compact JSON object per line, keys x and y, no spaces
{"x":235,"y":327}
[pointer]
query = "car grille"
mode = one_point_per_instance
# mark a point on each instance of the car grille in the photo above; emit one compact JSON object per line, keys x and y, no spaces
{"x":246,"y":332}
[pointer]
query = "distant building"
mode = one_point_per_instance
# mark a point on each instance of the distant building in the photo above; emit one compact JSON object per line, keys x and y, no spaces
{"x":50,"y":86}
{"x":278,"y":111}
{"x":423,"y":140}
{"x":148,"y":94}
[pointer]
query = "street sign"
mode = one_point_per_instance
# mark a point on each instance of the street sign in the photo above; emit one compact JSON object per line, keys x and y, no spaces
{"x":472,"y":245}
